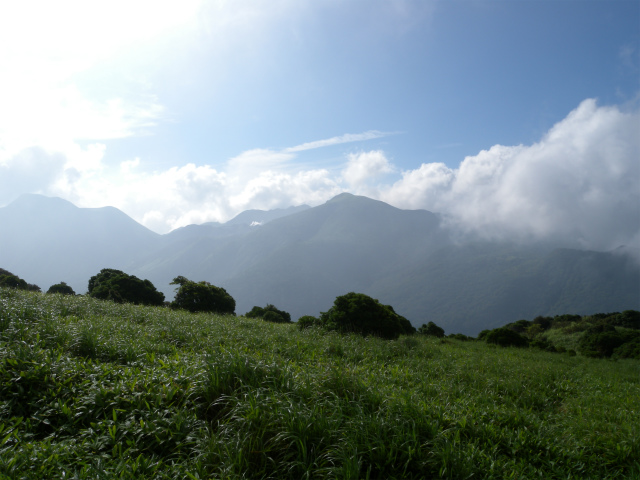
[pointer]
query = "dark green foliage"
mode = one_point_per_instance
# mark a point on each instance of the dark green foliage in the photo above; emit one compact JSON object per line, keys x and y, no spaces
{"x":13,"y":281}
{"x":626,"y":319}
{"x":519,"y":326}
{"x":308,"y":321}
{"x":602,"y":340}
{"x":505,"y":337}
{"x":630,"y":349}
{"x":270,"y":314}
{"x":560,"y":321}
{"x":62,"y":288}
{"x":202,"y":297}
{"x":483,"y":334}
{"x":359,"y":313}
{"x":544,"y":322}
{"x":460,"y":336}
{"x":432,"y":330}
{"x":115,"y":285}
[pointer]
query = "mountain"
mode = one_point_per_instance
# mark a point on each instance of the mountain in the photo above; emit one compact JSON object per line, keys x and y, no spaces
{"x":300,"y":259}
{"x":48,"y":240}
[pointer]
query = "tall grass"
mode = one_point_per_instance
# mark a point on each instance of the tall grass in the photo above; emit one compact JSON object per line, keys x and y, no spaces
{"x":92,"y":389}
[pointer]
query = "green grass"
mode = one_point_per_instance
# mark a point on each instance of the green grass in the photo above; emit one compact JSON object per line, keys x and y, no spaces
{"x":93,"y":389}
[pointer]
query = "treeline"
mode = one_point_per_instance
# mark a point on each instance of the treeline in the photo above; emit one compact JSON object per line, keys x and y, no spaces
{"x":602,"y":335}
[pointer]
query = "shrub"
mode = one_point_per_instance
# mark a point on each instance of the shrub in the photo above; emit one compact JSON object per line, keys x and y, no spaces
{"x":629,"y":349}
{"x":115,"y":285}
{"x":202,"y":297}
{"x":602,"y":340}
{"x":359,"y":313}
{"x":308,"y":321}
{"x":270,"y":314}
{"x":460,"y":336}
{"x":544,"y":322}
{"x":626,"y":319}
{"x":12,"y":281}
{"x":483,"y":334}
{"x":506,"y":337}
{"x":62,"y":288}
{"x":432,"y":330}
{"x":519,"y":326}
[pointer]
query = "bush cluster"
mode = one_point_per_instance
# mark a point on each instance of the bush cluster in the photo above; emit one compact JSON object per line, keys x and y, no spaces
{"x":202,"y":297}
{"x":269,"y":314}
{"x":359,"y":313}
{"x":120,"y":287}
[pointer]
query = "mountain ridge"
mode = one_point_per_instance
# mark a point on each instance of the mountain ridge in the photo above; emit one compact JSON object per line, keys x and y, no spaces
{"x":300,"y":259}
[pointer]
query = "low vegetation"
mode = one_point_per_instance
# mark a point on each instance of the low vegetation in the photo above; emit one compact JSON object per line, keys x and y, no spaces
{"x":202,"y":297}
{"x":269,"y":314}
{"x":120,"y":287}
{"x":93,"y":389}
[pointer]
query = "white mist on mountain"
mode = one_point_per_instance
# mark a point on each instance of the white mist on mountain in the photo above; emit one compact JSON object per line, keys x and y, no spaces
{"x":578,"y":185}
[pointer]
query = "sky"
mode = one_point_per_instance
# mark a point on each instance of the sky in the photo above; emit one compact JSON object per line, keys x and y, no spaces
{"x":515,"y":120}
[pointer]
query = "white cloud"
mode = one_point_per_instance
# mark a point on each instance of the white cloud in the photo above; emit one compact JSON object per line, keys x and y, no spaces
{"x":346,"y":138}
{"x":579,"y":184}
{"x":365,"y":166}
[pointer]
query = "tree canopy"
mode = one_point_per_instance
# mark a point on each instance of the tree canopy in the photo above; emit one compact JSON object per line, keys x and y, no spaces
{"x":432,"y":330}
{"x":359,"y":313}
{"x":62,"y":288}
{"x":270,"y":314}
{"x":202,"y":297}
{"x":9,"y":280}
{"x":120,"y":287}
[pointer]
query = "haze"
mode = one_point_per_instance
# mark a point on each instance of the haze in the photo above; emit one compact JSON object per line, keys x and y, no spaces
{"x":514,"y":120}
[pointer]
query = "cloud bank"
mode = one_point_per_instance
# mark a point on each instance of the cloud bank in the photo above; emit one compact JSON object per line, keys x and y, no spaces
{"x":577,"y":185}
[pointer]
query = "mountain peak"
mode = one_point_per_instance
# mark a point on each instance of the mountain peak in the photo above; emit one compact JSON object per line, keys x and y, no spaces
{"x":32,"y":201}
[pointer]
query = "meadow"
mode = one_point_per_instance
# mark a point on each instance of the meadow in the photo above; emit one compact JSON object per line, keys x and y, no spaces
{"x":91,"y":389}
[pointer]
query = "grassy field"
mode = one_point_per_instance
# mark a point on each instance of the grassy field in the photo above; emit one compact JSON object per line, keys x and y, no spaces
{"x":92,"y":389}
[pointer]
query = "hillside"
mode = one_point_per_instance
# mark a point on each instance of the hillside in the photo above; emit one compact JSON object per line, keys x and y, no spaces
{"x":95,"y":389}
{"x":301,"y":258}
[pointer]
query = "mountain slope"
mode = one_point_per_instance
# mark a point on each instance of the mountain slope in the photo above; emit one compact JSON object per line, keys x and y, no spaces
{"x":302,"y":260}
{"x":48,"y":240}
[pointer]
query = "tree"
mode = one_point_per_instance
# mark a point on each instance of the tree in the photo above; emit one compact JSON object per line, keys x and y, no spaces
{"x":359,"y":313}
{"x":115,"y":285}
{"x":600,"y":341}
{"x":308,"y":321}
{"x":270,"y":314}
{"x":13,"y":281}
{"x":505,"y":337}
{"x":431,"y":329}
{"x":202,"y":297}
{"x":61,"y":288}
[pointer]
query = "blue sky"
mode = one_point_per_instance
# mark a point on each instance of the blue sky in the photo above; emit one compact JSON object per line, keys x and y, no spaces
{"x":183,"y":112}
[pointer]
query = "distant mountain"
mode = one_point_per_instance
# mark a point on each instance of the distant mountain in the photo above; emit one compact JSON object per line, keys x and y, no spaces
{"x":47,"y":240}
{"x":300,"y":259}
{"x":241,"y":224}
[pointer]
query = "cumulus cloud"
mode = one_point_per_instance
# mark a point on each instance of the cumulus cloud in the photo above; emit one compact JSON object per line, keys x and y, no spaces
{"x":364,"y":167}
{"x":578,"y":184}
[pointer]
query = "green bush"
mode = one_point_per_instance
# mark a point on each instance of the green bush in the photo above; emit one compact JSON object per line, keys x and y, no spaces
{"x":600,"y":341}
{"x":629,"y":349}
{"x":62,"y":288}
{"x":506,"y":337}
{"x":202,"y":297}
{"x":270,"y":314}
{"x":13,"y":281}
{"x":115,"y":285}
{"x":432,"y":330}
{"x":626,"y":319}
{"x":308,"y":321}
{"x":359,"y":313}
